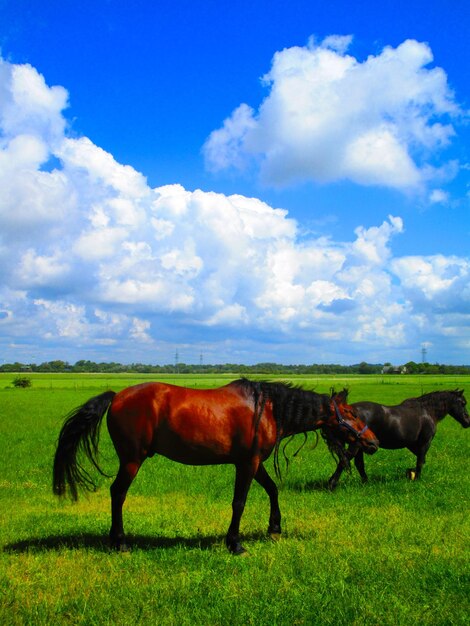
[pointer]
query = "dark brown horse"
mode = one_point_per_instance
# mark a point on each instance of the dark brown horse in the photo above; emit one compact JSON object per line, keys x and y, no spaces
{"x":240,"y":423}
{"x":411,"y":424}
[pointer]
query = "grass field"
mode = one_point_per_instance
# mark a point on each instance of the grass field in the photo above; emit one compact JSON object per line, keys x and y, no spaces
{"x":391,"y":552}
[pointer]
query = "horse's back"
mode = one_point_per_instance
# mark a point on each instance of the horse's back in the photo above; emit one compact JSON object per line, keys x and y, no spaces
{"x":158,"y":396}
{"x":193,"y":426}
{"x":395,"y":426}
{"x":156,"y":403}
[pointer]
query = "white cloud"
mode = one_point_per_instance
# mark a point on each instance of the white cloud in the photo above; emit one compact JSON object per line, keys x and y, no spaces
{"x":226,"y":145}
{"x":329,"y":116}
{"x":441,"y":281}
{"x":95,"y":259}
{"x":139,"y":330}
{"x":82,"y":155}
{"x":31,"y":199}
{"x":438,"y":196}
{"x":35,"y":270}
{"x":230,"y":315}
{"x":377,"y":157}
{"x":99,"y":243}
{"x":69,"y":319}
{"x":371,"y":244}
{"x":28,"y":105}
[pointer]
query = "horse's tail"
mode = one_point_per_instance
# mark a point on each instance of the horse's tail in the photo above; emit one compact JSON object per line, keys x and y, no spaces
{"x":80,"y":433}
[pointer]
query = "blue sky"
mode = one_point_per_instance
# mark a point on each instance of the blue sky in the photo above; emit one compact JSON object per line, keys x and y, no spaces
{"x":268,"y":181}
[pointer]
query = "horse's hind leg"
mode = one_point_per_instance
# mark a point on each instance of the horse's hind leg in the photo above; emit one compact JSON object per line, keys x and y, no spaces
{"x":265,"y":480}
{"x":420,"y":449}
{"x":126,"y":474}
{"x":414,"y":474}
{"x":420,"y":461}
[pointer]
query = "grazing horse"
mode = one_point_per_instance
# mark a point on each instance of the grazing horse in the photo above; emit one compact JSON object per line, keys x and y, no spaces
{"x":411,"y":424}
{"x":240,"y":423}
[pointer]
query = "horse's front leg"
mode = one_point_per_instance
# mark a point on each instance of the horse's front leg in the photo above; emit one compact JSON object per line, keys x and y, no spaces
{"x":243,"y":479}
{"x":334,"y":478}
{"x":359,"y":463}
{"x":268,"y":484}
{"x":343,"y":464}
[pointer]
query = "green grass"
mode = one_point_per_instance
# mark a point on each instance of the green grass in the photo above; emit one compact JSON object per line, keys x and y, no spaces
{"x":391,"y":552}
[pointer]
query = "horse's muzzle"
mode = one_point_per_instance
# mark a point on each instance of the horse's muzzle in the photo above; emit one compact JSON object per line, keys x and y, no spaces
{"x":370,"y":446}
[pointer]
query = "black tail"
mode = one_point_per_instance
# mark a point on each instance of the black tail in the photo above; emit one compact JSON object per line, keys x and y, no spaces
{"x":80,"y":433}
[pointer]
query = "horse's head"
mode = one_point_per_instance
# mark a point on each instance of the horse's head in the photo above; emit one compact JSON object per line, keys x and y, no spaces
{"x":345,"y":424}
{"x":458,"y":408}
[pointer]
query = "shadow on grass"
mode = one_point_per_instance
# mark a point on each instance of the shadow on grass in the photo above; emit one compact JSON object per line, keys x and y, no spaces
{"x":310,"y":485}
{"x":322,"y":485}
{"x":135,"y":542}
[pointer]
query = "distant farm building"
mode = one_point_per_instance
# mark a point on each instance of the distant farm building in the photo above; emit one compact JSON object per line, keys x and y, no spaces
{"x":394,"y":369}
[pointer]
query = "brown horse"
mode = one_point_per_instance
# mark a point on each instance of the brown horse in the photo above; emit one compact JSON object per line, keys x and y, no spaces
{"x":240,"y":423}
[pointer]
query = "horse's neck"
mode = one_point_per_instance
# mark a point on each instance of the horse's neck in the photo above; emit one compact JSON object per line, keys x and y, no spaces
{"x":303,"y":416}
{"x":437,"y":404}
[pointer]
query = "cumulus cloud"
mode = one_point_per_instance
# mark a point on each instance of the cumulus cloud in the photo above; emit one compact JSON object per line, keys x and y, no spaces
{"x":94,"y":258}
{"x":444,"y":282}
{"x":328,"y":117}
{"x":438,"y":196}
{"x":28,"y":105}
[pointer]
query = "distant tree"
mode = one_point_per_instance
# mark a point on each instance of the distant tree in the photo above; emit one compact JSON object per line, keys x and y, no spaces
{"x":22,"y":381}
{"x":412,"y":367}
{"x":268,"y":369}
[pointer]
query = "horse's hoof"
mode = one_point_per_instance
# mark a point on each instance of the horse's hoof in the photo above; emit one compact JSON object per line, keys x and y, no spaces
{"x":411,"y":474}
{"x":117,"y":546}
{"x":237,"y":549}
{"x":124,"y":549}
{"x":275,"y":536}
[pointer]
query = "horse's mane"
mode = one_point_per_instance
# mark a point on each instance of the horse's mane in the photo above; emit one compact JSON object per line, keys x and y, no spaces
{"x":294,"y":409}
{"x":336,"y":448}
{"x":434,"y":399}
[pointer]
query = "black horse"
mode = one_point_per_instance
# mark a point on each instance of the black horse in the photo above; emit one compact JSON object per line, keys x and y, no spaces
{"x":411,"y":424}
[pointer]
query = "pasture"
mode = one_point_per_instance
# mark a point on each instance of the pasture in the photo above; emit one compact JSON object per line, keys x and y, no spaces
{"x":391,"y":552}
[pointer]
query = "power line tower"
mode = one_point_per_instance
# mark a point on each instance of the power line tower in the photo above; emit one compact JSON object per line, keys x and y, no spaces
{"x":201,"y":360}
{"x":176,"y":360}
{"x":424,"y":353}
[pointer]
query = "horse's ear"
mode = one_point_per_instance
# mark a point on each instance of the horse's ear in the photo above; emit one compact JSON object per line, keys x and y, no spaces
{"x":342,"y":396}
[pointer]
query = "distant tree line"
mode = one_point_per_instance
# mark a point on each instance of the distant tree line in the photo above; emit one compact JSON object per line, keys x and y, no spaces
{"x":83,"y":366}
